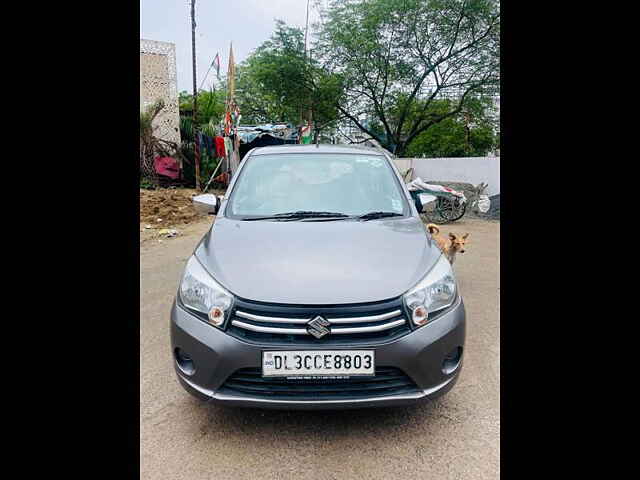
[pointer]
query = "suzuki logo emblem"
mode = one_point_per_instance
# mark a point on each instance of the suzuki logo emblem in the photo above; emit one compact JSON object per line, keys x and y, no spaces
{"x":318,"y":327}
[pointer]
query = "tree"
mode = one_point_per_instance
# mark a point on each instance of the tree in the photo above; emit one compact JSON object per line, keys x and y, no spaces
{"x":210,"y":105}
{"x":396,"y":58}
{"x":279,"y":82}
{"x":210,"y":112}
{"x":471,"y":133}
{"x":150,"y":145}
{"x":257,"y":103}
{"x":148,"y":141}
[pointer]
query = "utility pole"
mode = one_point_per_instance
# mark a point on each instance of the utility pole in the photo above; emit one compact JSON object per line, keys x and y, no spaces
{"x":306,"y":30}
{"x":195,"y":93}
{"x":307,"y":59}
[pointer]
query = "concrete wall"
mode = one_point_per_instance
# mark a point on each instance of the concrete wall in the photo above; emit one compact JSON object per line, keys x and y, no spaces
{"x":468,"y":169}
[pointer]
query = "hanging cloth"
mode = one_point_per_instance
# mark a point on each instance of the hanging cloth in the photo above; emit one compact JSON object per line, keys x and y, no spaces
{"x":227,"y":123}
{"x":305,"y":137}
{"x":203,"y":143}
{"x":220,"y":150}
{"x":228,"y":146}
{"x":210,"y":145}
{"x":167,"y":166}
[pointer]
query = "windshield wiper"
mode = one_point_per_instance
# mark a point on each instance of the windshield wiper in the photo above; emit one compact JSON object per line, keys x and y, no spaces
{"x":298,"y":214}
{"x":374,"y":215}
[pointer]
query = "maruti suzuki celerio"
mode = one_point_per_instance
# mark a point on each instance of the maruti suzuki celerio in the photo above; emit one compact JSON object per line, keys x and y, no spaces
{"x":317,"y":286}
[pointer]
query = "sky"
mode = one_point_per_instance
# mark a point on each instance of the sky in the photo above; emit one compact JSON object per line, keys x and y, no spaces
{"x":246,"y":23}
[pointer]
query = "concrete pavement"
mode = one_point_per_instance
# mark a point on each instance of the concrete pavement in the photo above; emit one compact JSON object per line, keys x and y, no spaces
{"x":454,"y":437}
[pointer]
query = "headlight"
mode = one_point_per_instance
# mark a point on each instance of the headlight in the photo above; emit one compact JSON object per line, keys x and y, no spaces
{"x":200,"y":292}
{"x":437,"y":290}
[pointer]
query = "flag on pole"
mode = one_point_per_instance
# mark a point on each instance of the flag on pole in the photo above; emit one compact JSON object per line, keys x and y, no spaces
{"x":216,"y":65}
{"x":231,"y":87}
{"x":305,"y":137}
{"x":231,"y":75}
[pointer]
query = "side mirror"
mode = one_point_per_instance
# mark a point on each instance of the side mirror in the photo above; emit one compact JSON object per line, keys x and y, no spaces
{"x":207,"y":204}
{"x":426,"y":202}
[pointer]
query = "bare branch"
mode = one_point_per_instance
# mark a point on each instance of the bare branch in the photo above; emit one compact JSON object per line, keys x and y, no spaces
{"x":360,"y":126}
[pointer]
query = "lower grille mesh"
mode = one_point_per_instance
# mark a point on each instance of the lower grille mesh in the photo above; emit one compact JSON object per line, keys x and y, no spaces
{"x":387,"y":381}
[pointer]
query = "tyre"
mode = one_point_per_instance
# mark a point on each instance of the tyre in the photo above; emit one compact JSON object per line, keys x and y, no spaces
{"x":450,"y":209}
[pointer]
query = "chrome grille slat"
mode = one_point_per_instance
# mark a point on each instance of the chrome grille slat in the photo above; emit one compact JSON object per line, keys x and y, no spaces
{"x":256,"y":328}
{"x":336,"y":321}
{"x":261,"y":318}
{"x":302,"y":331}
{"x":373,"y":328}
{"x":370,"y":318}
{"x":348,"y":324}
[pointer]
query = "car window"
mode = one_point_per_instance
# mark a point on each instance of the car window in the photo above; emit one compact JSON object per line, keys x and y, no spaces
{"x":346,"y":183}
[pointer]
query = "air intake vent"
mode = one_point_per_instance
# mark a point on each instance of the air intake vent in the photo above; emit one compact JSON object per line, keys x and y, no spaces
{"x":387,"y":381}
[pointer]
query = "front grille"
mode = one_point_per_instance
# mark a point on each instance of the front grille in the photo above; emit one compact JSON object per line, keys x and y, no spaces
{"x":369,"y":323}
{"x":387,"y":381}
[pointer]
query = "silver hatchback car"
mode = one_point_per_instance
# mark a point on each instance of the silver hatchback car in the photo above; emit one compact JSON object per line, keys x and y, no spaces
{"x":317,"y":286}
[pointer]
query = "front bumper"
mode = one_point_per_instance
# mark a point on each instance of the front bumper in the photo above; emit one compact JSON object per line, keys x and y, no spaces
{"x":217,"y":355}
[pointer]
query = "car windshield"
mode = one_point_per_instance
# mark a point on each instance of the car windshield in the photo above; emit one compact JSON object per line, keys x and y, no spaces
{"x":348,"y":184}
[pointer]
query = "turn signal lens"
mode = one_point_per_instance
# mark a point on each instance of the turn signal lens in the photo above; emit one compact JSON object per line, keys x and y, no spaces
{"x":419,"y":315}
{"x":216,"y":316}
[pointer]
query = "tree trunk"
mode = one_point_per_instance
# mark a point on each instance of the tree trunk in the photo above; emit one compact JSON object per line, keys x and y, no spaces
{"x":147,"y":166}
{"x":400,"y":149}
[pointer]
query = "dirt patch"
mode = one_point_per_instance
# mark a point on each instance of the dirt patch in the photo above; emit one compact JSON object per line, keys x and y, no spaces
{"x":167,"y":212}
{"x":169,"y":207}
{"x":163,"y":208}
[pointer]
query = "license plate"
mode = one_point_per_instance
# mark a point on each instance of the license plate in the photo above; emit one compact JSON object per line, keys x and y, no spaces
{"x":318,"y":363}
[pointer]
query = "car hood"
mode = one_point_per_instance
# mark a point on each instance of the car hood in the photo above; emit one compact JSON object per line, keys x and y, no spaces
{"x":317,"y":262}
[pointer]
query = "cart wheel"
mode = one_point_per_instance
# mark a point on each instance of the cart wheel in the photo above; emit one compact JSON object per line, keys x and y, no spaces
{"x":450,"y":210}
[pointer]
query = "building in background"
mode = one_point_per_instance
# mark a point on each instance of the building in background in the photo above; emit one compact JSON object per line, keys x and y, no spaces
{"x":158,"y":80}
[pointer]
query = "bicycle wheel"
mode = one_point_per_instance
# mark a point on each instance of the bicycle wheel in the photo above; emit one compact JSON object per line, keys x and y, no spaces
{"x":450,"y":210}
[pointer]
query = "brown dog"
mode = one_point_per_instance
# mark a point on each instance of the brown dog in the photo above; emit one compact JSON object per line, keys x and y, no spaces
{"x":449,"y":246}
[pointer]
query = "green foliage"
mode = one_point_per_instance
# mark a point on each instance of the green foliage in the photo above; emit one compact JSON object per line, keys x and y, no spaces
{"x":146,"y":183}
{"x":469,"y":134}
{"x":211,"y":108}
{"x":186,"y":128}
{"x":279,"y":82}
{"x":207,"y":163}
{"x":451,"y":138}
{"x":396,"y":58}
{"x":207,"y":166}
{"x":149,"y":144}
{"x":412,"y":74}
{"x":211,"y":105}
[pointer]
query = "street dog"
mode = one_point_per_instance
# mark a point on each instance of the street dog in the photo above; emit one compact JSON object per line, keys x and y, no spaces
{"x":449,"y":246}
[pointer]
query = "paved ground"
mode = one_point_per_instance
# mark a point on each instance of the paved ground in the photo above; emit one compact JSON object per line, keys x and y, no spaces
{"x":455,"y":437}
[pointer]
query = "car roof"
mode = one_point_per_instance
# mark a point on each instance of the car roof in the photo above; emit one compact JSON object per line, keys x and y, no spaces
{"x":320,"y":148}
